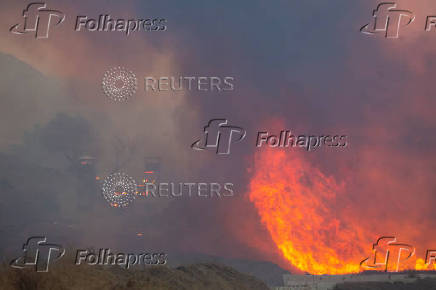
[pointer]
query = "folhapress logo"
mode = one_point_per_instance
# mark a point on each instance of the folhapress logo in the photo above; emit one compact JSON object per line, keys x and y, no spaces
{"x":38,"y":253}
{"x":38,"y":20}
{"x":387,"y":20}
{"x":105,"y":257}
{"x":218,"y":134}
{"x":388,"y":255}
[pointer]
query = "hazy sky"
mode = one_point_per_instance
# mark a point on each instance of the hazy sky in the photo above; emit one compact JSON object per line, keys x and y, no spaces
{"x":301,"y":66}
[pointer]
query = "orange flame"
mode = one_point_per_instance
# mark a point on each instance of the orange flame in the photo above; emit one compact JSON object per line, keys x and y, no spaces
{"x":303,"y":211}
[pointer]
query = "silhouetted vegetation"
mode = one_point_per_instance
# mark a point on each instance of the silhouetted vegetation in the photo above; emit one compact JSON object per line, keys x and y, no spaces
{"x":69,"y":276}
{"x":420,"y":284}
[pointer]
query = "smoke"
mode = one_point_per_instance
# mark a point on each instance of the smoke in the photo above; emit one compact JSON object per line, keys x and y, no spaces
{"x":305,"y":64}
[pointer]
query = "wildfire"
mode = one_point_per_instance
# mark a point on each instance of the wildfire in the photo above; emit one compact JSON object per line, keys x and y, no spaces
{"x":301,"y":209}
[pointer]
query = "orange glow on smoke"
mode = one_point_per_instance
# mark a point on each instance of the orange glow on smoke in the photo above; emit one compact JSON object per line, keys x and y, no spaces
{"x":303,"y":211}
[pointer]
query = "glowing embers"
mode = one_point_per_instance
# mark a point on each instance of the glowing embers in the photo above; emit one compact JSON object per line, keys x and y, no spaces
{"x":151,"y":175}
{"x":119,"y":189}
{"x":149,"y":179}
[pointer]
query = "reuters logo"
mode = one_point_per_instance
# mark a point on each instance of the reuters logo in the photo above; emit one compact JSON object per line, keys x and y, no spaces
{"x":119,"y":189}
{"x":119,"y":84}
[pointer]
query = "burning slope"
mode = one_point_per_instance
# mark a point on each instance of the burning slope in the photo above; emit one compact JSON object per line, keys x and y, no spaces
{"x":300,"y":207}
{"x":296,"y":203}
